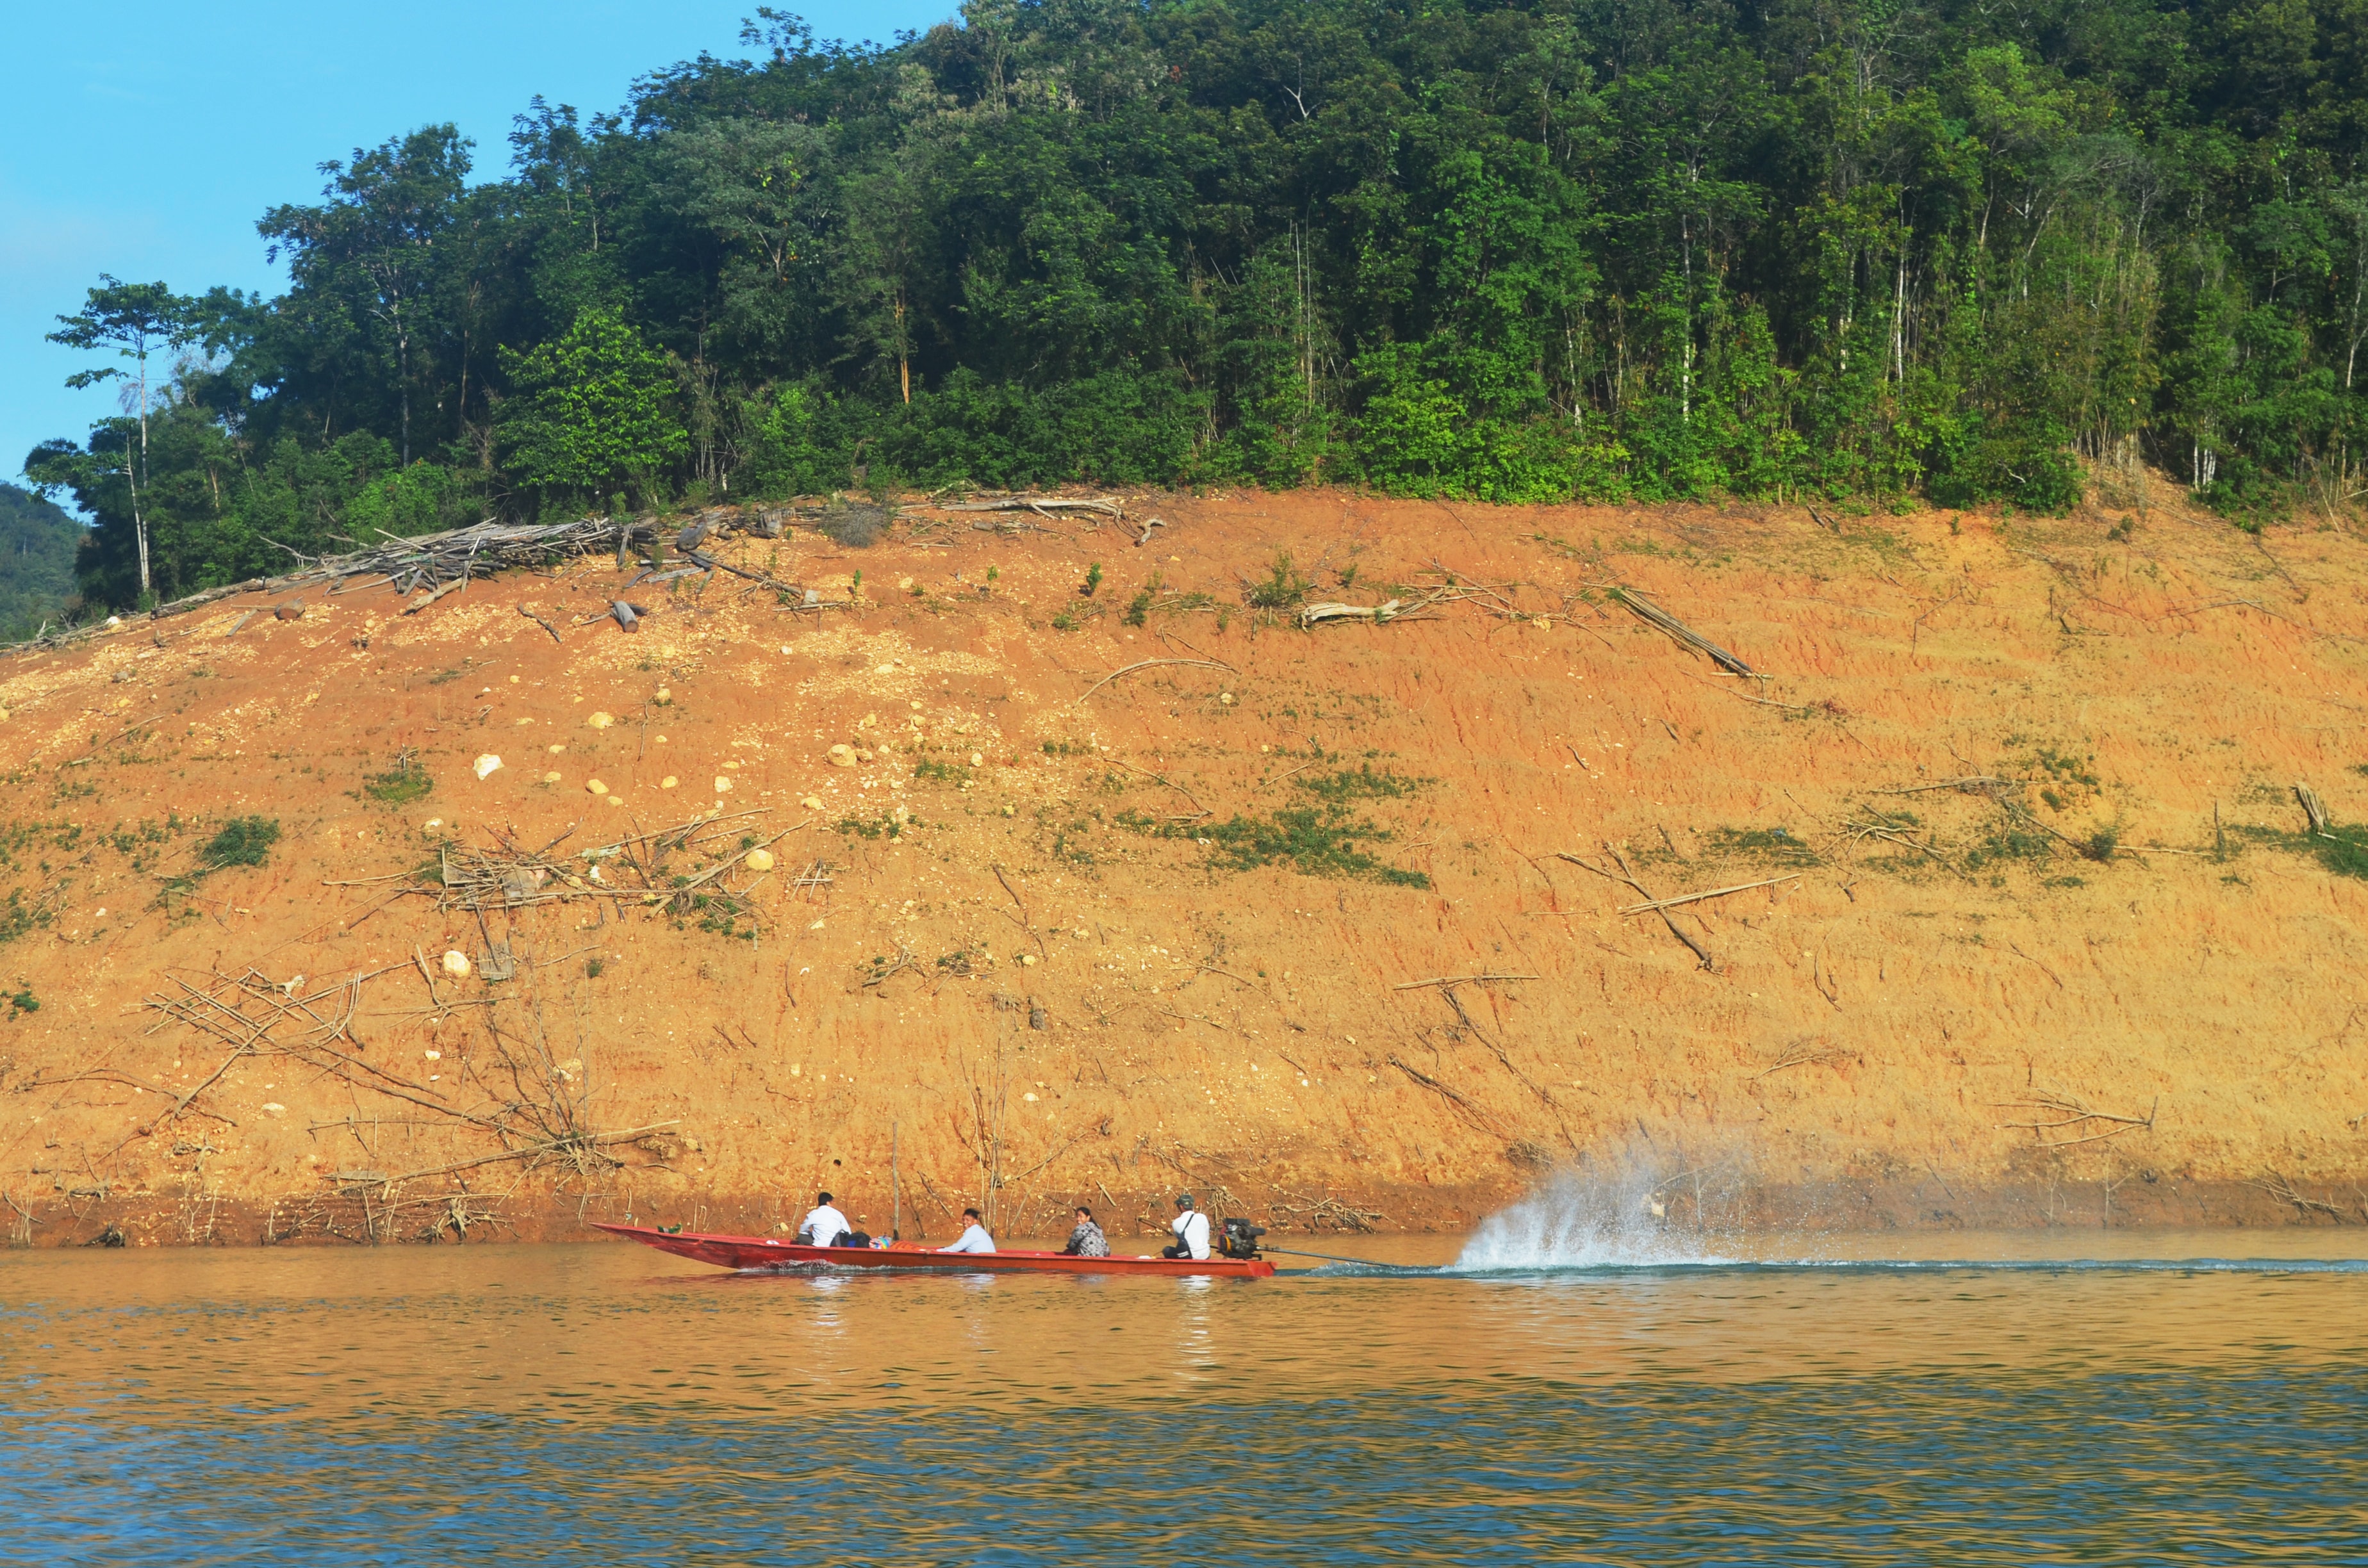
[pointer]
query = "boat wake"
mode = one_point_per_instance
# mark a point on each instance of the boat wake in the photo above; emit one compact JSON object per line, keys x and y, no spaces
{"x":1629,"y":1221}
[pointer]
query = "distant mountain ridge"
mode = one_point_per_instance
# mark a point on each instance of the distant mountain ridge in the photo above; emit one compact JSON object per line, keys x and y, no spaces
{"x":37,"y":541}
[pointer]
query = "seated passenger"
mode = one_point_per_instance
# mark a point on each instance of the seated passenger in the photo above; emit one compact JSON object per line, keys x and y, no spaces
{"x":1191,"y":1228}
{"x":1087,"y":1240}
{"x":824,"y":1226}
{"x":975,"y":1238}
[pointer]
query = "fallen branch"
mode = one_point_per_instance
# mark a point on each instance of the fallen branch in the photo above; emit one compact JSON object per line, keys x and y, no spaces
{"x":1025,"y":924}
{"x":1625,"y":875}
{"x":2278,"y":1187}
{"x":1973,"y":784}
{"x":1149,"y":664}
{"x":2071,"y":1112}
{"x":1655,"y":616}
{"x":454,"y":587}
{"x":1713,"y":893}
{"x":555,"y":637}
{"x":1459,"y":979}
{"x":1462,"y":1104}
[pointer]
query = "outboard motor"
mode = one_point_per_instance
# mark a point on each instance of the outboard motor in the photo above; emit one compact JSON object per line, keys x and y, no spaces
{"x":1239,"y":1239}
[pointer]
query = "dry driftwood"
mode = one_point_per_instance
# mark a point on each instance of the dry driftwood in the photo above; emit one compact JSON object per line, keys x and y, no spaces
{"x":437,"y":561}
{"x":1661,"y":620}
{"x":1319,"y":613}
{"x":1107,"y":506}
{"x":2314,"y":808}
{"x":454,"y":587}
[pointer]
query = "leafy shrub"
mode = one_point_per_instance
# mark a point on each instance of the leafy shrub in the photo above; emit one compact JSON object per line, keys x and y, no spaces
{"x":1361,"y":784}
{"x":400,"y":785}
{"x":1283,"y":586}
{"x":243,"y":841}
{"x":1778,"y":846}
{"x":1315,"y":842}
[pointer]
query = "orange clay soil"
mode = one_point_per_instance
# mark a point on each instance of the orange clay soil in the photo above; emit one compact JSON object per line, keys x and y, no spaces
{"x":1051,"y":947}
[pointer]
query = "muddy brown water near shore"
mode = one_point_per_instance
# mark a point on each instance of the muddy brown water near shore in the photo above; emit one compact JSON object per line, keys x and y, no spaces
{"x":1562,"y":1395}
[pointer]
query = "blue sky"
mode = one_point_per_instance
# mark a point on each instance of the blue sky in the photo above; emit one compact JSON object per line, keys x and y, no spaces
{"x":144,"y":139}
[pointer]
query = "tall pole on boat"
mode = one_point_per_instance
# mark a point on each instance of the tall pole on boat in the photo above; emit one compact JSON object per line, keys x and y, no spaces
{"x":896,"y":1189}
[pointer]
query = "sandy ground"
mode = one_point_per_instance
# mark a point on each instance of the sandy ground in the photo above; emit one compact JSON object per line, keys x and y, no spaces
{"x":1046,"y":938}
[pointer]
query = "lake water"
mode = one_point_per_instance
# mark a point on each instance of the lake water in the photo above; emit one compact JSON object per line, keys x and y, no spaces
{"x":2094,"y":1397}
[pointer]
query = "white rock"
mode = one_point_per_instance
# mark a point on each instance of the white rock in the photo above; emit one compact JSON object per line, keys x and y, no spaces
{"x":812,"y":803}
{"x":722,"y":784}
{"x":456,"y":963}
{"x":758,"y":859}
{"x":596,"y":787}
{"x":841,"y":756}
{"x":600,"y":720}
{"x":488,"y":763}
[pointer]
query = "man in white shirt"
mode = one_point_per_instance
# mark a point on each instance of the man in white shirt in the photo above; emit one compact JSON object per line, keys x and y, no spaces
{"x":1191,"y":1228}
{"x":975,"y":1238}
{"x":826,"y":1225}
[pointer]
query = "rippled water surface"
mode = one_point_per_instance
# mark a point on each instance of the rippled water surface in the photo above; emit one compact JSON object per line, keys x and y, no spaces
{"x":2101,"y":1397}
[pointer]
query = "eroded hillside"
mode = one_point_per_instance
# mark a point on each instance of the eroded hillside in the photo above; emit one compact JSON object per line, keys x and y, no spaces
{"x":1105,"y":895}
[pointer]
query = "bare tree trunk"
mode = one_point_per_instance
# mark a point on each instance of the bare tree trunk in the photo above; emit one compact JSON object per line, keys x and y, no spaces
{"x":138,"y":522}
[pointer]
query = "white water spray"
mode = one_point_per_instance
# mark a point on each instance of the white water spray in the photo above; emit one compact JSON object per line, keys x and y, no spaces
{"x":1623,"y":1214}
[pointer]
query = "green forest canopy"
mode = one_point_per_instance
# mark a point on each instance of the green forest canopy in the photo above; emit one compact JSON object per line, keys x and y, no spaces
{"x":37,"y":562}
{"x":1572,"y":249}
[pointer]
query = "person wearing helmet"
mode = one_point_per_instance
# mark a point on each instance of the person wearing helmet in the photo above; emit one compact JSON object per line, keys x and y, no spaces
{"x":1191,"y":1228}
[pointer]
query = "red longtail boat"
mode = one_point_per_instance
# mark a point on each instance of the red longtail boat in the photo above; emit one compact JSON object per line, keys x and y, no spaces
{"x":764,"y":1253}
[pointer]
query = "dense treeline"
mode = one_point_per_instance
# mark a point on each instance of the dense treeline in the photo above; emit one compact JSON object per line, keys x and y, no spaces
{"x":37,"y":562}
{"x":1591,"y":248}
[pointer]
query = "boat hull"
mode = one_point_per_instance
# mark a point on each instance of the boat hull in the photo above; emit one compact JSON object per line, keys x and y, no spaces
{"x":763,"y":1253}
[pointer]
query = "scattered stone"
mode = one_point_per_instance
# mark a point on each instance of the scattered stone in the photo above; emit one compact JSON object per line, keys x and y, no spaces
{"x":596,"y":787}
{"x":456,"y":963}
{"x":841,"y":756}
{"x":667,"y":783}
{"x":600,"y":720}
{"x":552,"y":776}
{"x":758,"y":859}
{"x":722,"y":784}
{"x":664,"y":698}
{"x":812,"y":803}
{"x":487,"y":764}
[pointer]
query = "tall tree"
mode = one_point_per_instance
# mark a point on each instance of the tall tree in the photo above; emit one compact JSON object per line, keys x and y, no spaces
{"x":135,"y":320}
{"x":374,"y":239}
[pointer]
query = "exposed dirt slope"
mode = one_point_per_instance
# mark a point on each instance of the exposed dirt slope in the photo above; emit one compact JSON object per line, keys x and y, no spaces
{"x":1380,"y":805}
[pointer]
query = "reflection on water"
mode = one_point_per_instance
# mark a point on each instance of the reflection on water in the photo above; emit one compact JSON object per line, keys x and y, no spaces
{"x":2099,"y":1397}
